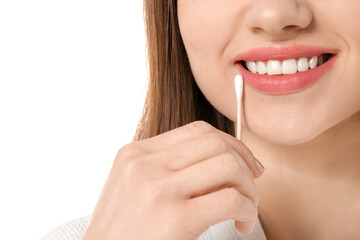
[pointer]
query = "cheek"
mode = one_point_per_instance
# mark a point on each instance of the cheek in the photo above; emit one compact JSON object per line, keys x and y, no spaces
{"x":346,"y":16}
{"x":343,"y":18}
{"x":206,"y":22}
{"x":206,"y":32}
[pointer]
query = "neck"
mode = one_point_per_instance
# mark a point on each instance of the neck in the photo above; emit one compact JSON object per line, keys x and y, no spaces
{"x":312,"y":185}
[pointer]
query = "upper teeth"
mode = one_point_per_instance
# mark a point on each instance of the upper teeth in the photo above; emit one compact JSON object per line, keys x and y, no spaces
{"x":289,"y":66}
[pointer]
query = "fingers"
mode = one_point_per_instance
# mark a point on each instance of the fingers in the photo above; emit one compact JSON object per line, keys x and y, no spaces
{"x":177,"y":135}
{"x":196,"y":130}
{"x":245,"y":227}
{"x":185,"y":154}
{"x":219,"y":206}
{"x":243,"y":150}
{"x":218,"y":172}
{"x":165,"y":140}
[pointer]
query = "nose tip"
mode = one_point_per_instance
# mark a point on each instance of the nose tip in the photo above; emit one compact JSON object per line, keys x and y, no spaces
{"x":278,"y":18}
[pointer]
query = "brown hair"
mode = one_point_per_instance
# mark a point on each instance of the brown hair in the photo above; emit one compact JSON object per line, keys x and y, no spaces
{"x":173,"y":98}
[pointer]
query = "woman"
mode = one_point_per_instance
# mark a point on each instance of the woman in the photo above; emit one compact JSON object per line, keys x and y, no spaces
{"x":186,"y":179}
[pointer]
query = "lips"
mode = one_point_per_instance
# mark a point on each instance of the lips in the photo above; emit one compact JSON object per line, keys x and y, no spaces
{"x":283,"y":52}
{"x":289,"y":83}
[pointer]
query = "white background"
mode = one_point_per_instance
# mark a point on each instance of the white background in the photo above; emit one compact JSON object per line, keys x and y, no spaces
{"x":72,"y":87}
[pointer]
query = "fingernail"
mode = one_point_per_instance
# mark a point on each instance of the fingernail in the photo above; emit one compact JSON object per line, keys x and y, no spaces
{"x":259,"y":166}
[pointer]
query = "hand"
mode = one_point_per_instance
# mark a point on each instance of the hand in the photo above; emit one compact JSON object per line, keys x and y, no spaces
{"x":176,"y":185}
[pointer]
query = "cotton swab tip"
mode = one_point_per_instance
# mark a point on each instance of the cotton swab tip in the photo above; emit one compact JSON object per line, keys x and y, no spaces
{"x":239,"y":82}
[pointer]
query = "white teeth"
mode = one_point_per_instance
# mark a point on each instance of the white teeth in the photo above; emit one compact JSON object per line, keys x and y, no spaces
{"x":313,"y":62}
{"x":261,"y":67}
{"x":303,"y":65}
{"x":273,"y":67}
{"x":251,"y":66}
{"x":289,"y":66}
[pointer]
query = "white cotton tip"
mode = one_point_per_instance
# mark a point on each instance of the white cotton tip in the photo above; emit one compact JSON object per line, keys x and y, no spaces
{"x":239,"y":82}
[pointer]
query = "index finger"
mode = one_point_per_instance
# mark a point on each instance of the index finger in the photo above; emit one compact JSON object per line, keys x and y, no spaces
{"x":193,"y":130}
{"x":177,"y":135}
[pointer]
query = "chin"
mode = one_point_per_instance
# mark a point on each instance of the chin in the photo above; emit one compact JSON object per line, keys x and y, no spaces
{"x":289,"y":135}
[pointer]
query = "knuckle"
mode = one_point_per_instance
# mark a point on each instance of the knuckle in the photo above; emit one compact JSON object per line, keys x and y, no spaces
{"x":215,"y":142}
{"x":229,"y":165}
{"x":199,"y":127}
{"x":233,"y":196}
{"x":127,"y":151}
{"x":131,"y":167}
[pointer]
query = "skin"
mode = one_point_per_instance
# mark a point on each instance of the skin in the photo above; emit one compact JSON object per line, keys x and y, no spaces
{"x":170,"y":186}
{"x":308,"y":141}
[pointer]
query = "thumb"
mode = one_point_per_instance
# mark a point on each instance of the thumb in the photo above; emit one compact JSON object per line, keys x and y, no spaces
{"x":245,"y":227}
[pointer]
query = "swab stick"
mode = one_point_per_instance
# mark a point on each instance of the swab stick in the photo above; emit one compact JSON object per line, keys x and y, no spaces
{"x":239,"y":92}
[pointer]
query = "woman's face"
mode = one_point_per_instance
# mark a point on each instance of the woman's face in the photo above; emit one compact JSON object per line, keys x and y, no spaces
{"x":215,"y":32}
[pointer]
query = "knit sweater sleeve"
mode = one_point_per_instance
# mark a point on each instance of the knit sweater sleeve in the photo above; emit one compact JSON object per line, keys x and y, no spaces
{"x":71,"y":230}
{"x":75,"y":229}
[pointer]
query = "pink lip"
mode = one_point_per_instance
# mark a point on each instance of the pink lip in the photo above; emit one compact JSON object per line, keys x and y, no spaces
{"x":283,"y":52}
{"x":288,"y":83}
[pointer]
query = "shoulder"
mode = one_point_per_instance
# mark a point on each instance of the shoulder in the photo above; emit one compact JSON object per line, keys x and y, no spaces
{"x":71,"y":230}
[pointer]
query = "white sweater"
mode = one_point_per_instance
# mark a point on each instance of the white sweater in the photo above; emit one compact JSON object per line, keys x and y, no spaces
{"x":74,"y":230}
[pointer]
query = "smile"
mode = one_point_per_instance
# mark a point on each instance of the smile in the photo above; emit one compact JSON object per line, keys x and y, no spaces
{"x":288,"y":69}
{"x":288,"y":66}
